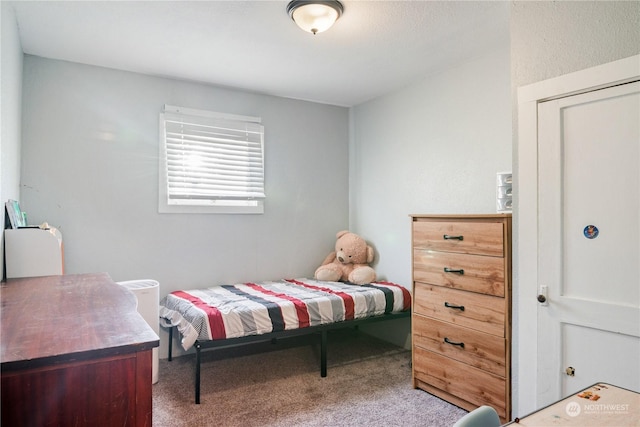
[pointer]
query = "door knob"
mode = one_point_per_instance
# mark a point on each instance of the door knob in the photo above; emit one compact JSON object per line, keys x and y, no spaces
{"x":570,"y":371}
{"x":542,"y":295}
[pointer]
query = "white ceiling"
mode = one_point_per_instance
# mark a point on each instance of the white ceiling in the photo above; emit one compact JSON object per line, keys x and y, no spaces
{"x":374,"y":48}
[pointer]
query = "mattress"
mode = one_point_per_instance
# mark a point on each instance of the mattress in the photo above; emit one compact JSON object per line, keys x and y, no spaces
{"x":232,"y":311}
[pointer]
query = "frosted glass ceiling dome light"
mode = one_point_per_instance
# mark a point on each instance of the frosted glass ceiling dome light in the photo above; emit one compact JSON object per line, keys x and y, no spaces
{"x":314,"y":16}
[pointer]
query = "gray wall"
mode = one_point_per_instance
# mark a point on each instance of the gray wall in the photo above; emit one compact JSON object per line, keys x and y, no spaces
{"x":432,"y":148}
{"x":10,"y":117}
{"x":90,"y":168}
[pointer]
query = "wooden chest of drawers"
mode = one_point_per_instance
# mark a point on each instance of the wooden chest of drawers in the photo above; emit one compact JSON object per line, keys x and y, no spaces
{"x":461,"y":318}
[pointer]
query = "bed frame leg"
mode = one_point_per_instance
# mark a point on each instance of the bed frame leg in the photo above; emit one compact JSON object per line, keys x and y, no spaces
{"x":197,"y":373}
{"x":170,"y":342}
{"x":323,"y":353}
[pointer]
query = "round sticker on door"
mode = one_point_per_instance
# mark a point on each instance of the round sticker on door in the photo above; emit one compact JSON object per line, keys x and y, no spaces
{"x":591,"y":232}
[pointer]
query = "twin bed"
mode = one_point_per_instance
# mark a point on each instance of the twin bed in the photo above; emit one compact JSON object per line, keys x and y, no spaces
{"x":227,"y":315}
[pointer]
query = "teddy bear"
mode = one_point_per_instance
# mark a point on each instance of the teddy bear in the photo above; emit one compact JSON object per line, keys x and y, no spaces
{"x":349,"y":262}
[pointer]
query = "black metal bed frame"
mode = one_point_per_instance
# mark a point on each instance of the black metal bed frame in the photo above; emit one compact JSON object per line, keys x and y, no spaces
{"x":323,"y":329}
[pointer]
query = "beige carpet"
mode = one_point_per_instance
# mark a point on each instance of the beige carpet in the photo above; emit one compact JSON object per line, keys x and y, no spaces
{"x":368,"y":384}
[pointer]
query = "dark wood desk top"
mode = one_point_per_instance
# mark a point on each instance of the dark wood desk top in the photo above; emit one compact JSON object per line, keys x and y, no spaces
{"x":60,"y":319}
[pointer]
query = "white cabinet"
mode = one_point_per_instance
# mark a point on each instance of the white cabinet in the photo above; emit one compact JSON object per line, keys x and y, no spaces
{"x":31,"y":252}
{"x":148,"y":294}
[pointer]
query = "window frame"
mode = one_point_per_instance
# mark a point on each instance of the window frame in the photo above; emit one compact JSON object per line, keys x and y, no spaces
{"x":221,"y":206}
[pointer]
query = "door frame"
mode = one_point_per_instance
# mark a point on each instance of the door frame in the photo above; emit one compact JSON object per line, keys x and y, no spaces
{"x":525,"y":213}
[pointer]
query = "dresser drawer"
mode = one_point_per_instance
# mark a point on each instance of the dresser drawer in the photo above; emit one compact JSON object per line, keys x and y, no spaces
{"x":461,"y":380}
{"x":475,"y":273}
{"x":483,"y":351}
{"x":483,"y":313}
{"x":480,"y":238}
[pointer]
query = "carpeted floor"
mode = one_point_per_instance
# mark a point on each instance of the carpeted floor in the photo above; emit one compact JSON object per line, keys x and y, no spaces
{"x":368,"y":384}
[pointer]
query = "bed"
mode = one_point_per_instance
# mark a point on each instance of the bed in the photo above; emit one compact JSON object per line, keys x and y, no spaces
{"x":227,"y":315}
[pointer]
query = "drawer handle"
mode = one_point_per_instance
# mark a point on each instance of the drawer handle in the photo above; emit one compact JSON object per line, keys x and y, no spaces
{"x":451,"y":270}
{"x":447,"y":237}
{"x":448,"y":341}
{"x":457,"y":307}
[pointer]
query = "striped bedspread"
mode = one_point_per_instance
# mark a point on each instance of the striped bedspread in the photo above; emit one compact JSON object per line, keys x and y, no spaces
{"x":231,"y":311}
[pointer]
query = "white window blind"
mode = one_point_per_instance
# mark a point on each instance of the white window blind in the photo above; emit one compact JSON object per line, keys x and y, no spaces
{"x":212,"y":159}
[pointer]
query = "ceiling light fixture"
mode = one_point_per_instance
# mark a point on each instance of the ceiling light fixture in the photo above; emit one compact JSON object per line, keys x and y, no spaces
{"x":314,"y":16}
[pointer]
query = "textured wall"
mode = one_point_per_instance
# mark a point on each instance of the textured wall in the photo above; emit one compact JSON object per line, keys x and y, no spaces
{"x":550,"y":39}
{"x":11,"y":109}
{"x":90,"y":168}
{"x":433,"y":147}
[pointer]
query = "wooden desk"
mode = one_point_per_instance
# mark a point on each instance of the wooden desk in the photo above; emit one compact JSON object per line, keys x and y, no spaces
{"x":601,"y":405}
{"x":74,"y":351}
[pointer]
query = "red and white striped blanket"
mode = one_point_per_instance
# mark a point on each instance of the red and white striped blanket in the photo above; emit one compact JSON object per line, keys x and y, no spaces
{"x":231,"y":311}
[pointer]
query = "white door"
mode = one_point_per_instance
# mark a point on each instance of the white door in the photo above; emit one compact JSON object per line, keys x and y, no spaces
{"x":589,"y":241}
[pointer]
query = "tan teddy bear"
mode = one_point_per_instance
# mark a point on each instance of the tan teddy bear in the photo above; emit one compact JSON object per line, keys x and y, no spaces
{"x":349,"y":262}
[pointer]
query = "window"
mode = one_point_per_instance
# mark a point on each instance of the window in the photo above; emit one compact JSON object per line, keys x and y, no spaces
{"x":210,"y":162}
